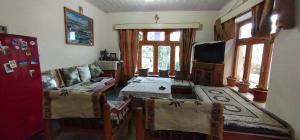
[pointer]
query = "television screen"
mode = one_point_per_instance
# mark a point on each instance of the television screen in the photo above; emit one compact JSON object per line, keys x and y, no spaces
{"x":210,"y":52}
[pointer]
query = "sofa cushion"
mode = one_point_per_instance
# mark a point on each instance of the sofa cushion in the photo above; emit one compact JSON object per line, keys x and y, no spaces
{"x":95,"y":70}
{"x":70,"y":76}
{"x":84,"y":72}
{"x":48,"y":80}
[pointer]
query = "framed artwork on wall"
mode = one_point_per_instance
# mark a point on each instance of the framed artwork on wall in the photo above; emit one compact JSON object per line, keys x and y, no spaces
{"x":79,"y":29}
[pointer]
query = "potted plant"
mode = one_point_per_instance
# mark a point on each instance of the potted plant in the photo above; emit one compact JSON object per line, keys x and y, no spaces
{"x":260,"y":94}
{"x":231,"y":81}
{"x":244,"y":86}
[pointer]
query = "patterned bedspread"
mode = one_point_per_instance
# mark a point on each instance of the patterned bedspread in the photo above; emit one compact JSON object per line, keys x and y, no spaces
{"x":241,"y":114}
{"x":80,"y":100}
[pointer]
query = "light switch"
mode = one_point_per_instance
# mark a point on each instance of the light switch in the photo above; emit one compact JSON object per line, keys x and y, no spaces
{"x":3,"y":29}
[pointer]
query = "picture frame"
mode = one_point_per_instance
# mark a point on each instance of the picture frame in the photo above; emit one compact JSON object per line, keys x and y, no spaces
{"x":113,"y":56}
{"x":79,"y":29}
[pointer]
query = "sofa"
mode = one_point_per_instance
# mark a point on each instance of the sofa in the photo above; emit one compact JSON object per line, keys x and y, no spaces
{"x":75,"y":97}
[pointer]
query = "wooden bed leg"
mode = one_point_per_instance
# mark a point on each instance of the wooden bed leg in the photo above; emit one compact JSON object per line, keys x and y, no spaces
{"x":140,"y":128}
{"x":48,"y":129}
{"x":107,"y":123}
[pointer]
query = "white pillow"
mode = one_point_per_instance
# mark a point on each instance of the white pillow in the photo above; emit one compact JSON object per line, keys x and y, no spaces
{"x":84,"y":72}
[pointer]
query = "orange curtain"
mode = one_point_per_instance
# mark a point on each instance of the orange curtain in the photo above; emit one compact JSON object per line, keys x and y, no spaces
{"x":286,"y":13}
{"x":186,"y":42}
{"x":128,"y":48}
{"x":225,"y":31}
{"x":261,"y":18}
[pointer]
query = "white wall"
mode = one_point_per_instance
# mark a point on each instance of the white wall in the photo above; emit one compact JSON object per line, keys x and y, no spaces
{"x":207,"y":18}
{"x":284,"y":97}
{"x":44,"y":19}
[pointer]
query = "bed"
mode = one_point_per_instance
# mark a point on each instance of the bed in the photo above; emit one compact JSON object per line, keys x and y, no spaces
{"x":243,"y":119}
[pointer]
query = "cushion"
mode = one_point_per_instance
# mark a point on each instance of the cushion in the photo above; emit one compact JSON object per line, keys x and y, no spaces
{"x":179,"y":75}
{"x":48,"y":80}
{"x":143,"y":72}
{"x":163,"y":73}
{"x":84,"y":72}
{"x":95,"y":70}
{"x":70,"y":76}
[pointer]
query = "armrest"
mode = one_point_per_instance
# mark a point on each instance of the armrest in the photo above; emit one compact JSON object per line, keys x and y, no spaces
{"x":106,"y":75}
{"x":122,"y":107}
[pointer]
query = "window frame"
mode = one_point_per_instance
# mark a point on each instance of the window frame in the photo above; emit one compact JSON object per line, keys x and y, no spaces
{"x":155,"y":44}
{"x":266,"y":58}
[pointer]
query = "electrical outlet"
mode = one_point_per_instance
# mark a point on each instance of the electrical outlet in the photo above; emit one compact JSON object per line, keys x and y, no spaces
{"x":3,"y":29}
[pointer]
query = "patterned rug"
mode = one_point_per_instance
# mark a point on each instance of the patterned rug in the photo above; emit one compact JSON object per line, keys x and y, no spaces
{"x":241,"y":114}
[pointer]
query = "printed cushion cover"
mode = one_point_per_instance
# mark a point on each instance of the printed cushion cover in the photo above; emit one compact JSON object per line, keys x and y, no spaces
{"x":95,"y":70}
{"x":48,"y":80}
{"x":70,"y":76}
{"x":84,"y":73}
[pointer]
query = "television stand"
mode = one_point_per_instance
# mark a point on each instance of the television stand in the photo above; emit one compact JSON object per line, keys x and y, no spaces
{"x":207,"y":74}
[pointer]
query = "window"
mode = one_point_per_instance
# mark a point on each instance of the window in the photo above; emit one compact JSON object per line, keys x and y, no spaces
{"x":175,"y":36}
{"x":159,"y":50}
{"x":253,"y":56}
{"x":156,"y":36}
{"x":164,"y":57}
{"x":177,"y":58}
{"x":147,"y":57}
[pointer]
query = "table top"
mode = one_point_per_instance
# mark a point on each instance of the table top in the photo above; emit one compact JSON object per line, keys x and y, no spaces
{"x":147,"y":90}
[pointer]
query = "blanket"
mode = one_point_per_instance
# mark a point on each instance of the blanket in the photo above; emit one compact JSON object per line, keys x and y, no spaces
{"x":162,"y":114}
{"x":80,"y":100}
{"x":241,"y":114}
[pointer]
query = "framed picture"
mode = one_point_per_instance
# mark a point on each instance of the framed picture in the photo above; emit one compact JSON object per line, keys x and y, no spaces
{"x":79,"y":29}
{"x":113,"y":56}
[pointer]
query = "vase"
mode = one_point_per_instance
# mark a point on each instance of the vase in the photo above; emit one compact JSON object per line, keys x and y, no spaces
{"x":231,"y":81}
{"x":260,"y":94}
{"x":244,"y":87}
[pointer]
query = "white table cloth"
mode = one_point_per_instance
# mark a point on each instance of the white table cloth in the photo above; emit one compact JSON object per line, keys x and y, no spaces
{"x":147,"y":90}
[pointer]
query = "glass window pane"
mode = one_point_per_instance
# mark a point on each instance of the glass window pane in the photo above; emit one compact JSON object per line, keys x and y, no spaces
{"x":177,"y":57}
{"x":140,"y":36}
{"x":274,"y":19}
{"x":175,"y":36}
{"x":245,"y":31}
{"x":156,"y":36}
{"x":147,"y":57}
{"x":241,"y":62}
{"x":164,"y":57}
{"x":257,"y":54}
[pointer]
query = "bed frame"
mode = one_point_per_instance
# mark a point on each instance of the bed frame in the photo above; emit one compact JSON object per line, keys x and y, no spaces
{"x":89,"y":126}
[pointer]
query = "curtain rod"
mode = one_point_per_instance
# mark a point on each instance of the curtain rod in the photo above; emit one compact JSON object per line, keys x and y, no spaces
{"x":240,"y":9}
{"x":194,"y":25}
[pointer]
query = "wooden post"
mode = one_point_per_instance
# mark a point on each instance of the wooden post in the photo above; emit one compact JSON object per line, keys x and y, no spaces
{"x":140,"y":128}
{"x":107,"y":122}
{"x":48,"y":129}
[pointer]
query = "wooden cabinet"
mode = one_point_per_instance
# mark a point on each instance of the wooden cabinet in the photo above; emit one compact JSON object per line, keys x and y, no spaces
{"x":113,"y":68}
{"x":208,"y":74}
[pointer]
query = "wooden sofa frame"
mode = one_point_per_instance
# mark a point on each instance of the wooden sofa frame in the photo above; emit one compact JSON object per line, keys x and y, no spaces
{"x":108,"y":132}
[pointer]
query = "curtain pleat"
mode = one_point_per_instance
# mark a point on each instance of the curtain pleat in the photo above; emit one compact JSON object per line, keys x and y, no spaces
{"x":128,"y":48}
{"x":225,"y":31}
{"x":261,"y":18}
{"x":286,"y":13}
{"x":187,"y":40}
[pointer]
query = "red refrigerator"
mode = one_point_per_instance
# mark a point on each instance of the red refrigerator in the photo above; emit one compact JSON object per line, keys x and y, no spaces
{"x":20,"y":87}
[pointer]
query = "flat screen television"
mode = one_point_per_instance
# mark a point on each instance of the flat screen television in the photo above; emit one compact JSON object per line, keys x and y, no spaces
{"x":212,"y":52}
